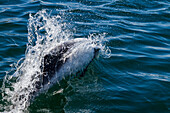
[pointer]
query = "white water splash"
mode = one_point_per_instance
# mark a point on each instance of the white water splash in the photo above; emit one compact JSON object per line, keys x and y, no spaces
{"x":44,"y":33}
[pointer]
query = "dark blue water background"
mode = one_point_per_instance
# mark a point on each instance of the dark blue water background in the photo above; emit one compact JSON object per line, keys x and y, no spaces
{"x":136,"y":78}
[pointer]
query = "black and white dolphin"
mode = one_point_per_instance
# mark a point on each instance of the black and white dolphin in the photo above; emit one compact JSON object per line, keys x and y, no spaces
{"x":66,"y":58}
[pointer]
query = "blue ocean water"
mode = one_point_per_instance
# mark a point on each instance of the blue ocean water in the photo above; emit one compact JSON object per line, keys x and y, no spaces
{"x":136,"y":76}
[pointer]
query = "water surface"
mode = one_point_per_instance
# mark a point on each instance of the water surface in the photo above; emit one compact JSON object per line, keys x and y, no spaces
{"x":135,"y":78}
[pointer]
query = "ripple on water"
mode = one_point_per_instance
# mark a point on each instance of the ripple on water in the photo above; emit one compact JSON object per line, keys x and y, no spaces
{"x":135,"y":78}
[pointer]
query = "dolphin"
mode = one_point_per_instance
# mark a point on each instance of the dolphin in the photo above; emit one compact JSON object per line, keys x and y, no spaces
{"x":68,"y":57}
